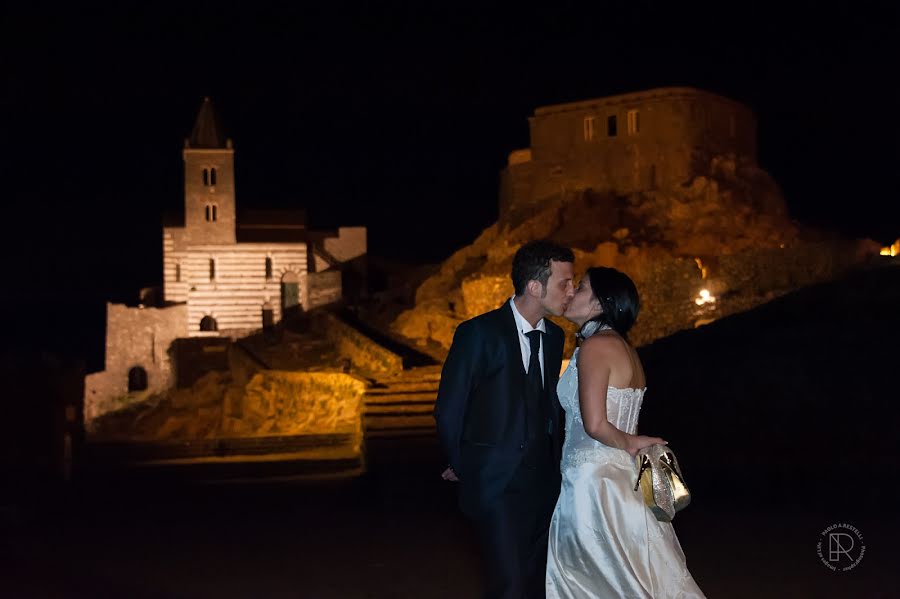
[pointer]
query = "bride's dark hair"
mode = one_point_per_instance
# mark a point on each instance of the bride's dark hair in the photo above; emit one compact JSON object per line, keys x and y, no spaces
{"x":617,"y":296}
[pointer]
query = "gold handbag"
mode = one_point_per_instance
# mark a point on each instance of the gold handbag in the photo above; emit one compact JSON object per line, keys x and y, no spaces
{"x":661,"y":482}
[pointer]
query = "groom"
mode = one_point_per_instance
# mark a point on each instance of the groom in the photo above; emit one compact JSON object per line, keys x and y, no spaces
{"x":500,"y":422}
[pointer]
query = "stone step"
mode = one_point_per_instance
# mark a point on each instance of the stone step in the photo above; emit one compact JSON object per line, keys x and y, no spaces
{"x":399,"y":408}
{"x":374,"y":422}
{"x":380,"y":389}
{"x":403,"y":432}
{"x":373,"y":400}
{"x":417,"y":374}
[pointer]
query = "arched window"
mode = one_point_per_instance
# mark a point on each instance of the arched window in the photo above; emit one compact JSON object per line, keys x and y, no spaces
{"x":212,"y":176}
{"x":137,"y":379}
{"x":212,"y":213}
{"x":205,"y":177}
{"x":268,"y":268}
{"x":212,"y":269}
{"x":208,"y":323}
{"x":208,"y":213}
{"x":215,"y":212}
{"x":178,"y":272}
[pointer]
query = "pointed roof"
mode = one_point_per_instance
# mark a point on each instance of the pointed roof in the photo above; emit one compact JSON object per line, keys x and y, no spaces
{"x":207,"y":132}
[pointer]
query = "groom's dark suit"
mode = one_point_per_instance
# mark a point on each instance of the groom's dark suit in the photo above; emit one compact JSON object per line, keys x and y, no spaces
{"x":507,"y":464}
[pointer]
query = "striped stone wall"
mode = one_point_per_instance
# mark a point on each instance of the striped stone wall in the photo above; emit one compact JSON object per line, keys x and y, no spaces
{"x":236,"y":289}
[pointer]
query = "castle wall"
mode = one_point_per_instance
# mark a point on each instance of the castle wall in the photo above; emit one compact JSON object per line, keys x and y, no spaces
{"x":135,"y":337}
{"x":662,"y":138}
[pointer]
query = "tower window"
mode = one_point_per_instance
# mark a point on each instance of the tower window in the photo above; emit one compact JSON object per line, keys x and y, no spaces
{"x":212,"y":213}
{"x":215,"y":212}
{"x":212,"y":176}
{"x":589,"y":128}
{"x":611,"y":126}
{"x":268,"y":268}
{"x":634,"y":124}
{"x":178,"y":272}
{"x":212,"y":269}
{"x":206,"y":176}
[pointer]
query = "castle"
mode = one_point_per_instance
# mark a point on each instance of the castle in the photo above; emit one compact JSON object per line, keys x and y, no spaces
{"x":624,"y":144}
{"x":225,"y":274}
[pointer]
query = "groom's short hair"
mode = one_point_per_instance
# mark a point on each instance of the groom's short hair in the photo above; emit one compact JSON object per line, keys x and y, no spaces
{"x":532,"y":262}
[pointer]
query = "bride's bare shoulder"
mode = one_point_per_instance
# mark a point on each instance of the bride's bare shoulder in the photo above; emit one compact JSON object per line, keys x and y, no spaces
{"x":601,"y":346}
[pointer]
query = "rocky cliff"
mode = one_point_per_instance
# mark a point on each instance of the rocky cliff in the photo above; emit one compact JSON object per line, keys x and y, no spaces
{"x":728,"y":233}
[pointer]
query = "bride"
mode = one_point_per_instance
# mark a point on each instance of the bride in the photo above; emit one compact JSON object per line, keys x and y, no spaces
{"x":604,"y":542}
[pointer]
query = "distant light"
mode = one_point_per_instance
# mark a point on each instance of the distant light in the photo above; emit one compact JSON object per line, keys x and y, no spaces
{"x":891,"y":250}
{"x":705,"y":297}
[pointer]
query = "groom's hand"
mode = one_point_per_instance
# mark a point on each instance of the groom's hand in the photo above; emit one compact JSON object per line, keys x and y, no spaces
{"x":450,"y":475}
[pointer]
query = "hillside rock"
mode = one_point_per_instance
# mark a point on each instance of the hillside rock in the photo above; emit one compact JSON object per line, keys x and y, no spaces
{"x":728,"y":232}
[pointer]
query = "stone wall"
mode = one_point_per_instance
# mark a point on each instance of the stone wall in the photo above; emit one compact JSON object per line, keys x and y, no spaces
{"x":297,"y":403}
{"x":268,"y":403}
{"x":662,"y":138}
{"x":240,"y":288}
{"x":321,"y":288}
{"x":365,"y":355}
{"x":200,"y":194}
{"x":135,"y":338}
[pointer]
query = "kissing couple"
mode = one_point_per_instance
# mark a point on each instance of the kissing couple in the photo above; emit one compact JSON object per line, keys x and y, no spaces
{"x":545,"y":463}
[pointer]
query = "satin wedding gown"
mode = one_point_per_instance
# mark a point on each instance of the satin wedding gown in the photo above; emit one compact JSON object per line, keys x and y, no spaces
{"x":604,"y":542}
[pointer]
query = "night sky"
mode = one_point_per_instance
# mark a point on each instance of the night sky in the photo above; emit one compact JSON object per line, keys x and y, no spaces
{"x":399,"y":118}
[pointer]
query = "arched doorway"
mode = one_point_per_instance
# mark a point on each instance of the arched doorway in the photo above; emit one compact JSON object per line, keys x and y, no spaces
{"x":208,"y":323}
{"x":290,"y":291}
{"x":137,"y":379}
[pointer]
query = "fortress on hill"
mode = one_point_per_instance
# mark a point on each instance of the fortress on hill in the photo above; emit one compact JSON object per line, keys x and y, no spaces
{"x":624,"y":144}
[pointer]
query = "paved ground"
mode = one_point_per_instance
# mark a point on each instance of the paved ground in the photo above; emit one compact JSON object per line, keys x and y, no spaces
{"x":393,"y":533}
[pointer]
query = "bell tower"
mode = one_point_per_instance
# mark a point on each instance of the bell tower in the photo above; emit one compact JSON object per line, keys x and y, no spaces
{"x":209,"y":204}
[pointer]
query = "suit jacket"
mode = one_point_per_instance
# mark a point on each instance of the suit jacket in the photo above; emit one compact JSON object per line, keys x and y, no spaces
{"x":480,"y":408}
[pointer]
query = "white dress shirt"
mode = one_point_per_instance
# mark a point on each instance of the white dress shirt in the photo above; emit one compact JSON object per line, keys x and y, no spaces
{"x":523,"y":327}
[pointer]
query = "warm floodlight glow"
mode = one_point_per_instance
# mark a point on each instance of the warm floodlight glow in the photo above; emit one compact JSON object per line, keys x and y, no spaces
{"x":705,"y":297}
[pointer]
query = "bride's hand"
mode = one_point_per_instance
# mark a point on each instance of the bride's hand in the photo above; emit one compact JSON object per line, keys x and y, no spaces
{"x":639,"y":442}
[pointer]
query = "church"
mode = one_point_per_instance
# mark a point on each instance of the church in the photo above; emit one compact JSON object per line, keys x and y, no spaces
{"x":225,"y":274}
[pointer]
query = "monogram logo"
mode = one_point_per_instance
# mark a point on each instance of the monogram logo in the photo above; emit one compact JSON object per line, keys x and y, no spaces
{"x":841,"y":547}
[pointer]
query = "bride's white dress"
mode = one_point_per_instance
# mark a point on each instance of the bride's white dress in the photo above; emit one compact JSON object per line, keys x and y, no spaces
{"x":604,"y":542}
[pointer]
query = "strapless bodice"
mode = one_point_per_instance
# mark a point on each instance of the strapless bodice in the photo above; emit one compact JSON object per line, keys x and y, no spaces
{"x":622,"y":409}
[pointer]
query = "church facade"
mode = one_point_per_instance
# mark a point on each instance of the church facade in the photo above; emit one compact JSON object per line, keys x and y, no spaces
{"x":225,"y":274}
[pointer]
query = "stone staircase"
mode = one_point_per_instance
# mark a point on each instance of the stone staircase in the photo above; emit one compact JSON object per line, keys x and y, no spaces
{"x":402,"y":406}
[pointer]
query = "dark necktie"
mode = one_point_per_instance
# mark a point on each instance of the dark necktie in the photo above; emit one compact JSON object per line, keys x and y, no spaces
{"x":534,"y":364}
{"x":534,"y":389}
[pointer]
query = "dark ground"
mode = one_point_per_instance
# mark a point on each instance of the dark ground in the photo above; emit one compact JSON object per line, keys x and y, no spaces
{"x":784,"y":419}
{"x":394,"y":533}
